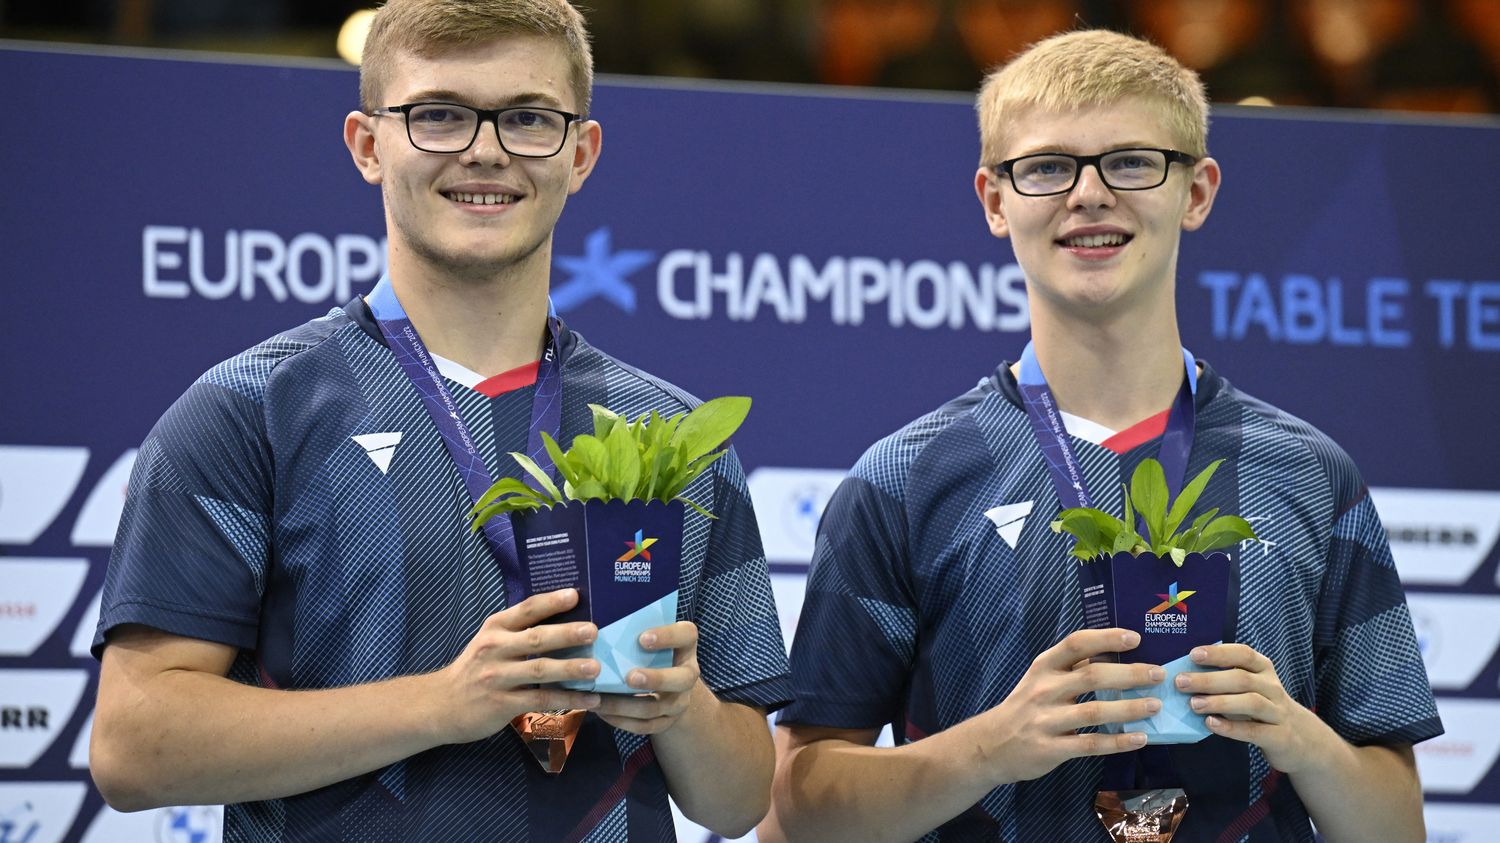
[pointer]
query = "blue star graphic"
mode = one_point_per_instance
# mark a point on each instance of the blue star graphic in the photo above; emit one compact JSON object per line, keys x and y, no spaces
{"x":599,"y":273}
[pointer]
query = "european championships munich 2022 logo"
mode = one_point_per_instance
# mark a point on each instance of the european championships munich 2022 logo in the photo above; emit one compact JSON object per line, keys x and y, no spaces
{"x":634,"y":565}
{"x":1162,"y":619}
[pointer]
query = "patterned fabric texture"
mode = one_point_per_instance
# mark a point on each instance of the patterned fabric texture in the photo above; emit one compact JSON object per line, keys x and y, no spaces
{"x":256,"y":520}
{"x":919,"y":615}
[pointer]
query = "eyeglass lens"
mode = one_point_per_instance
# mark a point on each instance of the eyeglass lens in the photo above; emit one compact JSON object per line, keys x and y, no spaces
{"x":443,"y":127}
{"x":1125,"y":169}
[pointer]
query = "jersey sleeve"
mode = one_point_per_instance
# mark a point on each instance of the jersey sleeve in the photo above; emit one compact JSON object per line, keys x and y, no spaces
{"x":1372,"y":686}
{"x":856,"y":640}
{"x":192,"y":547}
{"x":740,"y":648}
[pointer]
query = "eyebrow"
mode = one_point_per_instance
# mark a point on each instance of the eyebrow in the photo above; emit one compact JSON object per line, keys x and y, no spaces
{"x":524,"y":98}
{"x":1073,"y":150}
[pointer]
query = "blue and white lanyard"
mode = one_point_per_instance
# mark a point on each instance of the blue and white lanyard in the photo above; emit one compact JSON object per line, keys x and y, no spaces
{"x":546,"y":415}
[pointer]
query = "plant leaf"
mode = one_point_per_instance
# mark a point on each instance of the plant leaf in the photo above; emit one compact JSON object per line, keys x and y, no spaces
{"x":1224,"y":531}
{"x":604,"y":419}
{"x":624,"y":461}
{"x":503,"y":486}
{"x":589,"y":457}
{"x":541,"y":476}
{"x":590,"y":490}
{"x":563,"y":461}
{"x":709,"y":425}
{"x":1178,"y":555}
{"x":1148,"y":489}
{"x":700,"y":509}
{"x":1187,"y":498}
{"x":504,"y":507}
{"x":690,"y":472}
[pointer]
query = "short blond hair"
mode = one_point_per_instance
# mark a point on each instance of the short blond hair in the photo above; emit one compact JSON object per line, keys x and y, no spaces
{"x":427,"y":27}
{"x":1087,"y":68}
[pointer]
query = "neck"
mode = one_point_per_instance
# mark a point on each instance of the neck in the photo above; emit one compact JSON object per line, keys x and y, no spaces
{"x":489,"y":324}
{"x":1116,"y":373}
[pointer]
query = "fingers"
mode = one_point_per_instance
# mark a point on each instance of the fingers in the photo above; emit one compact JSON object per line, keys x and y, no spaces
{"x":671,"y":680}
{"x":1102,"y":675}
{"x":1099,"y":743}
{"x":677,"y":636}
{"x":641,"y":706}
{"x":552,"y":699}
{"x":1231,"y":655}
{"x":534,"y":609}
{"x":1254,"y":706}
{"x":1085,"y":644}
{"x":543,"y":671}
{"x":1100,"y":712}
{"x":534,"y":641}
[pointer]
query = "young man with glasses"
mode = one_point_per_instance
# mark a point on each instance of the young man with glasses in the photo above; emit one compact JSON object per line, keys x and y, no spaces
{"x":297,"y":620}
{"x":941,"y":603}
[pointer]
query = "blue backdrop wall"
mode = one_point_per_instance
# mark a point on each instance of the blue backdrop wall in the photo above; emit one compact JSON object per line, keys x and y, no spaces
{"x":158,"y":214}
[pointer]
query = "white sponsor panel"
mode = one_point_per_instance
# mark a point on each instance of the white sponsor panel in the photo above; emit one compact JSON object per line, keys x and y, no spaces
{"x":788,"y":503}
{"x":178,"y":262}
{"x":184,"y":824}
{"x":35,"y":705}
{"x":1458,"y":634}
{"x":100,"y":516}
{"x":37,"y":812}
{"x":1451,"y":823}
{"x":83,"y":636}
{"x":925,"y":294}
{"x":35,"y":593}
{"x":1438,"y":536}
{"x":1457,"y":760}
{"x":36,"y":482}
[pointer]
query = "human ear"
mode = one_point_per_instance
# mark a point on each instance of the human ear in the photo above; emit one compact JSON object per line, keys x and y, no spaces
{"x":359,"y":137}
{"x":1201,"y":193}
{"x":585,"y":153}
{"x":987,"y":184}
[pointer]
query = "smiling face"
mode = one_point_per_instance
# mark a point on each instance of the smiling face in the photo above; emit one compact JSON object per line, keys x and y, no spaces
{"x":481,"y":212}
{"x":1096,"y":252}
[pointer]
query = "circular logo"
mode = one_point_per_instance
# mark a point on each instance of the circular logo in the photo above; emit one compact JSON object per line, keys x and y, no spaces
{"x":194,"y":824}
{"x":801,"y":511}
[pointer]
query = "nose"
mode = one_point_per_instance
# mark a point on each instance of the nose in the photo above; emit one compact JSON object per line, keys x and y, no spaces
{"x":486,"y":150}
{"x":1090,"y":191}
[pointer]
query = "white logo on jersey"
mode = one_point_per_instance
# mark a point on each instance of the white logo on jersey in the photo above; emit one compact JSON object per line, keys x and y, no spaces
{"x":1009,"y":519}
{"x":380,"y":447}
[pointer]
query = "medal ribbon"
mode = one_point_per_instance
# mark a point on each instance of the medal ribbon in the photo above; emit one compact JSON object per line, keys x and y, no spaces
{"x":546,"y":414}
{"x":1072,"y":491}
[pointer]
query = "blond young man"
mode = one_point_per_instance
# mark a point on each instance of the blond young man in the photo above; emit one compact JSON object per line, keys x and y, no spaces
{"x":312,"y":635}
{"x":920,"y":614}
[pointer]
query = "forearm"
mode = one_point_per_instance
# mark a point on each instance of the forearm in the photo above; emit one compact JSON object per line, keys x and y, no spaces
{"x":834,"y":790}
{"x":1358,"y":793}
{"x":192,"y":738}
{"x":718,"y":762}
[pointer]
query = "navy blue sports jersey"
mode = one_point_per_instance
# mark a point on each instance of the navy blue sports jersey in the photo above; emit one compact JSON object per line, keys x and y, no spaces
{"x":921,"y":614}
{"x":298,"y":504}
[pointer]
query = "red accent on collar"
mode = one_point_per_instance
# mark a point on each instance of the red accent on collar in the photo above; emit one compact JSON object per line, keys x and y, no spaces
{"x":1139,"y":433}
{"x":523,"y":375}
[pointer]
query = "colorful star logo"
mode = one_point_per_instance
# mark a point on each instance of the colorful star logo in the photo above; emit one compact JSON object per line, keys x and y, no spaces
{"x":1173,"y":599}
{"x":639,"y":547}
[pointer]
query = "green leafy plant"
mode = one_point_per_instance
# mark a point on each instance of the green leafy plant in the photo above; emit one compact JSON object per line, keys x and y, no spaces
{"x":1146,"y":498}
{"x":651,"y":458}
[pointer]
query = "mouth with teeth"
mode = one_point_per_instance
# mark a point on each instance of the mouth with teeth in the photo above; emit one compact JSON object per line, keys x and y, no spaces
{"x":483,"y":198}
{"x":1095,"y":241}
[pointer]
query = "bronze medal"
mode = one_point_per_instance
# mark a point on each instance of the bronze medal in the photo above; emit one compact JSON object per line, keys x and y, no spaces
{"x":549,"y":735}
{"x":1141,"y":816}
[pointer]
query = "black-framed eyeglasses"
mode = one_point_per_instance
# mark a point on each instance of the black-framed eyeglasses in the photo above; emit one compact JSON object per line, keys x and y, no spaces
{"x":1051,"y":173}
{"x":526,"y":131}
